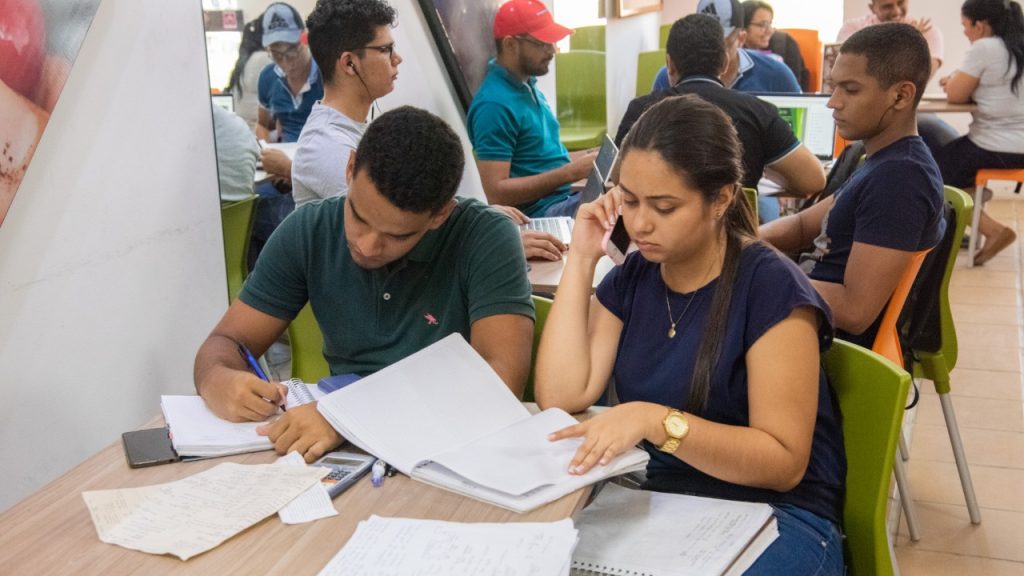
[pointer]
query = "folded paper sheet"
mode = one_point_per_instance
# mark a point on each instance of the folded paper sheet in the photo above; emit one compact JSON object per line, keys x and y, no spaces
{"x":193,"y":515}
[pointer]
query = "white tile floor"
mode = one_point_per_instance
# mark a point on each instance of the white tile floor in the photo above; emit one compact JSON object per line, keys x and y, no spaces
{"x":987,"y":395}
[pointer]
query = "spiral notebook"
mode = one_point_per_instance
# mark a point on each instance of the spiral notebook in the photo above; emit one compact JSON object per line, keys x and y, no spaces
{"x":626,"y":532}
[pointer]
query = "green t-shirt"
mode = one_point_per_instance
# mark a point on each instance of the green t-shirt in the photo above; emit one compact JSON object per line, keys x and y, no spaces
{"x":470,"y":268}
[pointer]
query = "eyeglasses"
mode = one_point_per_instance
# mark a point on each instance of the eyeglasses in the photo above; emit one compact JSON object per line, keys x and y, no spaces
{"x":386,"y":49}
{"x":763,"y":25}
{"x":535,"y":42}
{"x":288,"y":54}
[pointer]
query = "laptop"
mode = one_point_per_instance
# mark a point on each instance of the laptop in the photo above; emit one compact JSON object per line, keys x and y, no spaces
{"x":606,"y":157}
{"x":811,"y":120}
{"x":225,"y":101}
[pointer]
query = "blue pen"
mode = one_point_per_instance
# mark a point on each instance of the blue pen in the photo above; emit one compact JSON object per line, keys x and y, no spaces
{"x":253,"y":364}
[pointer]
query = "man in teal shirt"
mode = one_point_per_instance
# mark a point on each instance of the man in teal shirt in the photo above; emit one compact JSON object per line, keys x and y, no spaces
{"x":521,"y":160}
{"x":396,"y":265}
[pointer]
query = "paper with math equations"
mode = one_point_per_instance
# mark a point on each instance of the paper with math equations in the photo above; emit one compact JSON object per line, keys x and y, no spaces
{"x":407,"y":547}
{"x":193,"y":515}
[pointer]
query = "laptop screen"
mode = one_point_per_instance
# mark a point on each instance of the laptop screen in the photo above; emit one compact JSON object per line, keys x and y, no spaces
{"x":606,"y":156}
{"x":225,"y":101}
{"x":810,"y":118}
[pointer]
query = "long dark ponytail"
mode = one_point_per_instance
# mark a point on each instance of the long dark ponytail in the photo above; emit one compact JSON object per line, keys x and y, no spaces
{"x":699,"y":141}
{"x":1007,"y":22}
{"x":252,"y":41}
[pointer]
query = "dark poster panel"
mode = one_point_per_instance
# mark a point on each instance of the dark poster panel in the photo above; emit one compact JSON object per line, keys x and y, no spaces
{"x":39,"y":41}
{"x":463,"y":33}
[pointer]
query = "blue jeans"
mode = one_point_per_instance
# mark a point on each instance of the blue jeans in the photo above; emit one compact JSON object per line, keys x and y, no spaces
{"x":567,"y":207}
{"x":768,"y":209}
{"x":808,"y":545}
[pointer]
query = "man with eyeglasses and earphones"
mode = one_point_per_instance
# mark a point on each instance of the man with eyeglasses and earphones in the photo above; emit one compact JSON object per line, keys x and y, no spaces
{"x":351,"y":43}
{"x":515,"y":135}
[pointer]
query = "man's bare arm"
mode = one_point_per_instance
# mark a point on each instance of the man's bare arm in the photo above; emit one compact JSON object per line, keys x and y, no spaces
{"x":501,"y":188}
{"x":799,"y":172}
{"x":505,"y":341}
{"x":793,"y":233}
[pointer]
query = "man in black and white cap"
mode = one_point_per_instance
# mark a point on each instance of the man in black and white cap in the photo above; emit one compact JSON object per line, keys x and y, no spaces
{"x":288,"y":87}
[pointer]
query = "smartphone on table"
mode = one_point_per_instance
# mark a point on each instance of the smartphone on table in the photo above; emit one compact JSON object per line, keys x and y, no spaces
{"x":148,"y":447}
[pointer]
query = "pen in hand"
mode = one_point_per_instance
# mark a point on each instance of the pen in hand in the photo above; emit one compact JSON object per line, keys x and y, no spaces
{"x":254,"y":366}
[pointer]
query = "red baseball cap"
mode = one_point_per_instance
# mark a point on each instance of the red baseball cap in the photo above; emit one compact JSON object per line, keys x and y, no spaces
{"x":518,"y":17}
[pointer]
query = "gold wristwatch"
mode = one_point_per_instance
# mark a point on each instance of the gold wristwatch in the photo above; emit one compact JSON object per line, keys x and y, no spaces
{"x":676,"y":426}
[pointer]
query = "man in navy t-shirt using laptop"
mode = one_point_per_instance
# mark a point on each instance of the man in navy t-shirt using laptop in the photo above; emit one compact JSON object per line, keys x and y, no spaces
{"x":865,"y":235}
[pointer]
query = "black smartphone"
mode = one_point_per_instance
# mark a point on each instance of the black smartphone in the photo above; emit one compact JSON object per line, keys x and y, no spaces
{"x":148,"y":447}
{"x":616,"y":242}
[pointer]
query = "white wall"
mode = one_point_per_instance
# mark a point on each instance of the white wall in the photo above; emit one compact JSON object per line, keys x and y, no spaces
{"x":629,"y":37}
{"x":111,"y":258}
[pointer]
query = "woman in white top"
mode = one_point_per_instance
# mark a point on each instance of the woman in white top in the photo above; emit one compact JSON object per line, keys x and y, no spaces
{"x":990,"y":76}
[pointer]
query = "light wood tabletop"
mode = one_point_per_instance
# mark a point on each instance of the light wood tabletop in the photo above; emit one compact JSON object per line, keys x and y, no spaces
{"x":545,"y":275}
{"x":50,"y":532}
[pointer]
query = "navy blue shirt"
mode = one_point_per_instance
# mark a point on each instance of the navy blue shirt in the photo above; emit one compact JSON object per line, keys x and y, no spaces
{"x":651,"y":367}
{"x":894,"y":200}
{"x":275,"y":95}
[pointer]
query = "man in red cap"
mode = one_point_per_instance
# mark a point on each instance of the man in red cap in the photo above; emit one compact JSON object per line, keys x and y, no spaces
{"x":522,"y":163}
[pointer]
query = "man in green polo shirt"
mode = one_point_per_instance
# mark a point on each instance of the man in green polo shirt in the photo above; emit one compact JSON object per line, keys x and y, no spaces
{"x":396,"y":265}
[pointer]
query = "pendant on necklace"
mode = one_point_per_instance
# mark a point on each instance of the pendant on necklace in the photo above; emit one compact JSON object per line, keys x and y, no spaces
{"x":672,"y":331}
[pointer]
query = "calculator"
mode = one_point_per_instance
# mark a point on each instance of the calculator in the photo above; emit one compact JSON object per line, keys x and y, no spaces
{"x":346,"y":468}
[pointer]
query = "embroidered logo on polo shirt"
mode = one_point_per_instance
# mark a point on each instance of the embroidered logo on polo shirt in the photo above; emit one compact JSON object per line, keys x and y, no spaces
{"x":431,"y":321}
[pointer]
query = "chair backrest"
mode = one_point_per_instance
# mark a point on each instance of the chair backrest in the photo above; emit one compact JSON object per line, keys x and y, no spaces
{"x":926,"y":325}
{"x":587,"y":38}
{"x":887,"y":339}
{"x":663,"y":35}
{"x":236,"y":219}
{"x":871,"y":392}
{"x":580,"y":88}
{"x":750,"y":195}
{"x":307,"y":344}
{"x":543,"y":307}
{"x":647,"y":66}
{"x":810,"y":50}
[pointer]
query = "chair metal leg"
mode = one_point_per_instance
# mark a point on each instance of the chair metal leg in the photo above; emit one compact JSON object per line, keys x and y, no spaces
{"x":906,"y":501}
{"x":904,"y":450}
{"x":960,"y":457}
{"x":972,"y":244}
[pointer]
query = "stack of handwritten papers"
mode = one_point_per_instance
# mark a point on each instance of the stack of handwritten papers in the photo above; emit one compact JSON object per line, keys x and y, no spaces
{"x":644,"y":533}
{"x":193,"y":515}
{"x":406,"y":547}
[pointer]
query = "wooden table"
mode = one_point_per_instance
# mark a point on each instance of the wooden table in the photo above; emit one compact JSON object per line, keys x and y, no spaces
{"x":545,"y":275}
{"x":941,"y":106}
{"x":50,"y":532}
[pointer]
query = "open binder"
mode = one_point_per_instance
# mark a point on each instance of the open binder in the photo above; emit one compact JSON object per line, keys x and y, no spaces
{"x":443,"y":416}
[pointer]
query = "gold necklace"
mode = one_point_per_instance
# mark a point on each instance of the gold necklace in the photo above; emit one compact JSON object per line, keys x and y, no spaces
{"x":672,"y":328}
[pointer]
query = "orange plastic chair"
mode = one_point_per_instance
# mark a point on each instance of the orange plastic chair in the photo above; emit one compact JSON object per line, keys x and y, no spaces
{"x":810,"y":51}
{"x":981,"y":180}
{"x":887,"y":344}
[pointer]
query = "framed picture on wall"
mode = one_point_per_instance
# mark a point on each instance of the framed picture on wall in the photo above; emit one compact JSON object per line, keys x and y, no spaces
{"x":625,"y":8}
{"x":463,"y":33}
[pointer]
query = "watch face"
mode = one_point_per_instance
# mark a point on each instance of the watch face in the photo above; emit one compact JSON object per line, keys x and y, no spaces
{"x":676,"y":425}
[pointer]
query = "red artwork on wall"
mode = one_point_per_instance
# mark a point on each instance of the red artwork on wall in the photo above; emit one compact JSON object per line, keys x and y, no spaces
{"x":39,"y":41}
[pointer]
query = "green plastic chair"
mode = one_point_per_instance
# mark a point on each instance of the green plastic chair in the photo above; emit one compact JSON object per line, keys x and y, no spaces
{"x":750,"y":194}
{"x":543,"y":307}
{"x":307,"y":345}
{"x":587,"y":38}
{"x":647,"y":66}
{"x":872,"y":392}
{"x":580,"y":95}
{"x":935,"y":363}
{"x":663,"y":36}
{"x":236,"y":219}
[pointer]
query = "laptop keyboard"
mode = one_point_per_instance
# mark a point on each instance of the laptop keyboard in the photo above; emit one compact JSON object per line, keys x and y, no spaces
{"x":559,"y":227}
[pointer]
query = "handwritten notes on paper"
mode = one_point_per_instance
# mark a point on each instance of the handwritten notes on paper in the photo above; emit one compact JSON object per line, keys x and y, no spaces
{"x":406,"y":547}
{"x":193,"y":515}
{"x":313,"y":504}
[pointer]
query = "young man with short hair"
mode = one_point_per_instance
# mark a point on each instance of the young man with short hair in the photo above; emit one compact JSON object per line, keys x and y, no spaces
{"x":696,"y":56}
{"x":896,"y":11}
{"x":515,"y":135}
{"x":396,"y":265}
{"x":865,"y":235}
{"x":352,"y":45}
{"x":288,"y":88}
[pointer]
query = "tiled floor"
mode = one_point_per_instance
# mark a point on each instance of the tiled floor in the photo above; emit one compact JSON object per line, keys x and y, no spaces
{"x":987,"y":396}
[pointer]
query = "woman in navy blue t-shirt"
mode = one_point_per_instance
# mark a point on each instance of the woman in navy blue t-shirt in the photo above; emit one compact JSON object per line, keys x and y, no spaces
{"x":712,"y":337}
